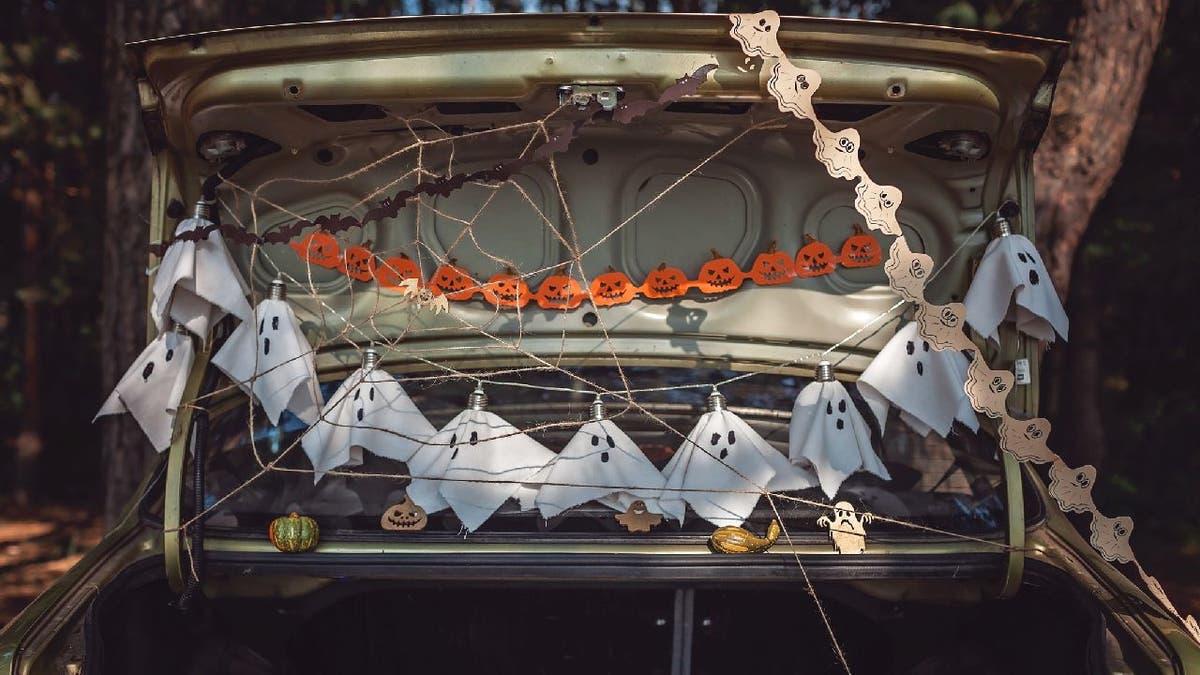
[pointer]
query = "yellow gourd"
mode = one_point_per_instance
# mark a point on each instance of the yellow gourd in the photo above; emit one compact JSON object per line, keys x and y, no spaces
{"x":731,"y":539}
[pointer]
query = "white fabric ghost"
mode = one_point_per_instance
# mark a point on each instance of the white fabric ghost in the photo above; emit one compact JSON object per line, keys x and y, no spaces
{"x":828,"y":433}
{"x":271,"y":360}
{"x":721,"y":467}
{"x":604,"y":459}
{"x":925,"y":384}
{"x":1012,"y":282}
{"x":152,"y":387}
{"x":476,"y":445}
{"x":198,"y":282}
{"x":369,"y":410}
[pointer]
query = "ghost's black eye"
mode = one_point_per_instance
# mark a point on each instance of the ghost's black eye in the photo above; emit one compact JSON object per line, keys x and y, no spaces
{"x":274,"y":323}
{"x":453,"y":440}
{"x":842,"y":405}
{"x":716,"y":438}
{"x":732,"y":438}
{"x":611,"y":442}
{"x":909,"y":348}
{"x":261,"y":325}
{"x":829,"y":407}
{"x":371,"y":393}
{"x":924,"y":345}
{"x":170,"y":354}
{"x":595,"y":440}
{"x":1022,"y":257}
{"x":474,"y":437}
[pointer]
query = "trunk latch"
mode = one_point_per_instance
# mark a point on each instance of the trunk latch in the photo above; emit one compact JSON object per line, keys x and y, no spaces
{"x":581,"y":95}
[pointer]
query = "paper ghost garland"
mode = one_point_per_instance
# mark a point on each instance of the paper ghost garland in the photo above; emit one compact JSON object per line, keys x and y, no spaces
{"x":271,"y":360}
{"x":796,"y":87}
{"x":198,"y":282}
{"x":1012,"y":282}
{"x":722,"y":468}
{"x":369,"y":410}
{"x":828,"y":434}
{"x":153,"y":386}
{"x":600,"y":463}
{"x":925,"y":384}
{"x":487,"y":461}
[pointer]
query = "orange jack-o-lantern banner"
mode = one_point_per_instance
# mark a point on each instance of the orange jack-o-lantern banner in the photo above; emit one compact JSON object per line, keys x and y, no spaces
{"x":613,"y":287}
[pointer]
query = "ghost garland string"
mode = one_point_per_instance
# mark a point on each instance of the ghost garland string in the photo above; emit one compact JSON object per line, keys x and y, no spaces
{"x":941,"y":327}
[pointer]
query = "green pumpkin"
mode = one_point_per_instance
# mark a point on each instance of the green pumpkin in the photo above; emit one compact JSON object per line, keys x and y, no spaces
{"x":294,"y":533}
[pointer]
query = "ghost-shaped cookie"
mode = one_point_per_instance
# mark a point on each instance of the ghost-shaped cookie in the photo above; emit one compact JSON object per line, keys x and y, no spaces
{"x":1072,"y":488}
{"x":476,"y":463}
{"x":828,"y":434}
{"x":270,"y":359}
{"x":723,"y":467}
{"x":924,"y":383}
{"x":878,"y":204}
{"x":198,"y":282}
{"x":1110,"y":536}
{"x":369,"y":410}
{"x":838,"y":151}
{"x":1012,"y":282}
{"x":600,"y":463}
{"x":153,"y":386}
{"x":793,"y":88}
{"x":757,"y":33}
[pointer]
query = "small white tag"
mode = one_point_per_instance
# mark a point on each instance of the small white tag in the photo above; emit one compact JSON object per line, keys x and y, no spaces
{"x":1021,"y":370}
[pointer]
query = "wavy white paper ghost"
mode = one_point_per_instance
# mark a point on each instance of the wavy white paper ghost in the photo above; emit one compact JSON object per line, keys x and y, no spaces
{"x":1012,"y":282}
{"x":793,"y":88}
{"x":757,"y":33}
{"x":838,"y":151}
{"x":369,"y":410}
{"x":487,"y":461}
{"x":197,"y":282}
{"x":879,"y":204}
{"x":152,"y":387}
{"x":605,"y":465}
{"x":828,"y":433}
{"x":925,"y":384}
{"x":722,"y":467}
{"x":270,"y":359}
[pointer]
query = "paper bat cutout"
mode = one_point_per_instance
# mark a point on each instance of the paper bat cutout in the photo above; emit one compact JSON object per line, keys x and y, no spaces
{"x":476,"y":445}
{"x":684,"y":86}
{"x":924,"y":383}
{"x":270,"y":359}
{"x":722,"y":467}
{"x":153,"y":386}
{"x":606,"y":460}
{"x":1012,"y":282}
{"x":828,"y":434}
{"x":198,"y":282}
{"x":369,"y":410}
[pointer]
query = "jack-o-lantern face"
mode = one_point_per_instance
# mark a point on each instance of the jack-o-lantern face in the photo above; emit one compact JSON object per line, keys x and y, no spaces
{"x":665,"y":282}
{"x":453,"y":281}
{"x":560,"y":291}
{"x":507,"y":289}
{"x":318,"y":248}
{"x":405,"y":516}
{"x":396,"y":269}
{"x":357,"y":262}
{"x":719,"y":275}
{"x":612,"y":288}
{"x":814,"y":259}
{"x":861,"y":250}
{"x":772,"y":267}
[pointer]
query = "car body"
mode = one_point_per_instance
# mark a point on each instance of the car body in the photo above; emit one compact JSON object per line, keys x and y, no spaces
{"x":951,"y":115}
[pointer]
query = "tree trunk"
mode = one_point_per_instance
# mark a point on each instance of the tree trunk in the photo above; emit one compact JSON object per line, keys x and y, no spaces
{"x":125,"y":451}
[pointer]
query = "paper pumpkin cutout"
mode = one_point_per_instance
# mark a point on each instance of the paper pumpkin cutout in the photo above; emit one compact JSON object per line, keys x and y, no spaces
{"x":719,"y":275}
{"x":757,"y":33}
{"x":319,"y":248}
{"x":600,"y":463}
{"x":153,"y":386}
{"x":838,"y":151}
{"x":814,"y":259}
{"x":988,"y":389}
{"x":638,"y":517}
{"x":484,"y":461}
{"x":612,"y":288}
{"x":878,"y":204}
{"x":665,"y":282}
{"x":861,"y":250}
{"x":722,"y":467}
{"x":793,"y":89}
{"x":404,"y":517}
{"x":453,"y":281}
{"x":772,"y":267}
{"x":1110,"y":536}
{"x":1072,"y":488}
{"x":942,"y":325}
{"x":907,"y":271}
{"x":1027,"y":439}
{"x":1013,"y":282}
{"x":560,"y":291}
{"x":392,"y":272}
{"x":270,"y":359}
{"x":369,"y":410}
{"x":507,"y":289}
{"x":198,"y":282}
{"x":925,"y":384}
{"x":847,"y":528}
{"x":828,"y":434}
{"x":358,"y":263}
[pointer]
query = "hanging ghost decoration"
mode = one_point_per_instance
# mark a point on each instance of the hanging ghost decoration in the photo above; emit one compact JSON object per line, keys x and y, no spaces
{"x":838,"y":151}
{"x":828,"y":434}
{"x":793,"y":88}
{"x":198,"y":282}
{"x":924,"y":383}
{"x":600,"y":463}
{"x":1110,"y":536}
{"x":758,"y":33}
{"x":271,"y":360}
{"x":1012,"y":282}
{"x":153,"y":386}
{"x":369,"y":410}
{"x":723,"y":467}
{"x":878,"y":204}
{"x":476,"y":463}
